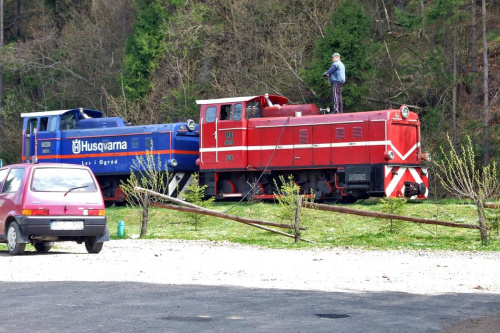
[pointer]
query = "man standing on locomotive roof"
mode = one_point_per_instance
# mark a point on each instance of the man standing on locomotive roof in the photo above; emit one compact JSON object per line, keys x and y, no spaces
{"x":336,"y":77}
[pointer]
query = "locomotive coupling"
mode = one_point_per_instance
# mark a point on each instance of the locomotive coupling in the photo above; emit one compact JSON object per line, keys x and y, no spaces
{"x":412,"y":189}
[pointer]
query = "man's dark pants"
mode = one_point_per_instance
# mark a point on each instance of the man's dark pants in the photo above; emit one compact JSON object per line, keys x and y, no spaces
{"x":338,"y":105}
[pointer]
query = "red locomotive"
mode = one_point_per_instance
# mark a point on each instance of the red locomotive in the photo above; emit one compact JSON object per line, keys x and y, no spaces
{"x":246,"y":143}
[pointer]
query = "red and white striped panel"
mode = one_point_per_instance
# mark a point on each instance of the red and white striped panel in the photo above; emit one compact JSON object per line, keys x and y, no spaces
{"x":396,"y":176}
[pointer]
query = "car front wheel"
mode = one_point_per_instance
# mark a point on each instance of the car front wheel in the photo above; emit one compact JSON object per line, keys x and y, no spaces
{"x":13,"y":244}
{"x":93,"y":246}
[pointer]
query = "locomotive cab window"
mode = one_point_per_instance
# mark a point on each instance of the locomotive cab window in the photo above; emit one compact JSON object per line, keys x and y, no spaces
{"x":238,"y":109}
{"x":32,"y":125}
{"x":252,"y":110}
{"x":52,"y":124}
{"x":68,"y":121}
{"x":225,"y":112}
{"x":44,"y":121}
{"x":211,"y":114}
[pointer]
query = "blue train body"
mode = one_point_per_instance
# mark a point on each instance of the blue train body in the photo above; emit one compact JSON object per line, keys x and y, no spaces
{"x":108,"y":145}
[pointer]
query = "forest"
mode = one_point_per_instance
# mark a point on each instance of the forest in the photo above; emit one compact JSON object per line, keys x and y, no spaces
{"x":148,"y":61}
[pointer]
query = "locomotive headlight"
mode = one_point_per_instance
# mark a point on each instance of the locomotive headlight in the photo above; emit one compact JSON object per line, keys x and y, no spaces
{"x":405,"y":111}
{"x":191,"y":125}
{"x":172,"y":162}
{"x":389,"y":155}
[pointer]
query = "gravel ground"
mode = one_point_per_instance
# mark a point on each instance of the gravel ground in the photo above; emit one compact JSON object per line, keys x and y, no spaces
{"x":209,"y":263}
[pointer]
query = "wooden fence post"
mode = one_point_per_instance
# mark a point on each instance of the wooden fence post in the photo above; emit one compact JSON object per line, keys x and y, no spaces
{"x":145,"y":214}
{"x":296,"y":226}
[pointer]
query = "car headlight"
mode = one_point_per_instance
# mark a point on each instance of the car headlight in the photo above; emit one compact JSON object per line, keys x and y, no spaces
{"x":191,"y":125}
{"x":172,"y":162}
{"x":405,"y":111}
{"x":389,"y":155}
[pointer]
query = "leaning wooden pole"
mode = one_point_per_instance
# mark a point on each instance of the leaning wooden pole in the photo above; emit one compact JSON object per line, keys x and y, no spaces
{"x":492,"y":205}
{"x":352,"y":211}
{"x":200,"y":210}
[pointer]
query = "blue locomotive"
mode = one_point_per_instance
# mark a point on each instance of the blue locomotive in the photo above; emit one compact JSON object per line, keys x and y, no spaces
{"x":109,"y":146}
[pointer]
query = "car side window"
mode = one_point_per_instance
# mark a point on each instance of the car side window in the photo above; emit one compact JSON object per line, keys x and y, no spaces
{"x":3,"y":173}
{"x":13,"y":181}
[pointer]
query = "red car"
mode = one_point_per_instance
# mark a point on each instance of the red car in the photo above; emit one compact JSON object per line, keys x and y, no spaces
{"x":45,"y":203}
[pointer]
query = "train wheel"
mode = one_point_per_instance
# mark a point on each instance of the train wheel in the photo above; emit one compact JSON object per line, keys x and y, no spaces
{"x":225,"y":186}
{"x":348,"y":200}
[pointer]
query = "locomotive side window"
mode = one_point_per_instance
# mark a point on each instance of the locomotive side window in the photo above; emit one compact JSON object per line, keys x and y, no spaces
{"x":211,"y":114}
{"x":225,"y":112}
{"x":44,"y":121}
{"x":135,"y":142}
{"x":52,"y":124}
{"x":32,"y":125}
{"x":148,"y":143}
{"x":238,"y":108}
{"x":68,"y":121}
{"x":252,"y":110}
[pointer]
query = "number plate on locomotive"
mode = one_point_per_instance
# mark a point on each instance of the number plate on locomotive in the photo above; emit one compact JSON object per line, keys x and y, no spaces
{"x":357,"y":177}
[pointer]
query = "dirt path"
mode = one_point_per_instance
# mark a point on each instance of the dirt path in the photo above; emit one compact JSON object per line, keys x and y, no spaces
{"x":209,"y":263}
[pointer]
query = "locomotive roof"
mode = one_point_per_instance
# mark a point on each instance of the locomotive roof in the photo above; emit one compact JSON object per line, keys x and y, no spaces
{"x":277,"y":99}
{"x":225,"y":100}
{"x":90,"y":112}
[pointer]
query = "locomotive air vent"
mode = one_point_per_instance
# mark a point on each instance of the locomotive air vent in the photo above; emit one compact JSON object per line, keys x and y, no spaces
{"x":357,"y":132}
{"x":339,"y":133}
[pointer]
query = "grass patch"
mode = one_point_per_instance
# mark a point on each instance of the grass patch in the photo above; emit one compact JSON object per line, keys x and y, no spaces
{"x":327,"y":229}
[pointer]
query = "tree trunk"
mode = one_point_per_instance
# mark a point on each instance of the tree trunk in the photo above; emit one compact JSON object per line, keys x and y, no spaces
{"x":475,"y":112}
{"x":296,"y":226}
{"x":145,"y":215}
{"x":483,"y":227}
{"x":1,"y":70}
{"x":486,"y":144}
{"x":454,"y":89}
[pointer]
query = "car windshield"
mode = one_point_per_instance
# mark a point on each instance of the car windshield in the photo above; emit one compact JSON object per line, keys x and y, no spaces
{"x":62,"y":180}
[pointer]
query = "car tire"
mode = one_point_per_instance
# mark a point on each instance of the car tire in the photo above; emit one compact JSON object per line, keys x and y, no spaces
{"x":42,"y":248}
{"x":13,"y":244}
{"x":93,"y":246}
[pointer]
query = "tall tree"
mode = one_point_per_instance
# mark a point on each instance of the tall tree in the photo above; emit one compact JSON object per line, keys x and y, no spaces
{"x":347,"y":33}
{"x":144,"y":47}
{"x":486,"y":144}
{"x":473,"y":41}
{"x":1,"y":70}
